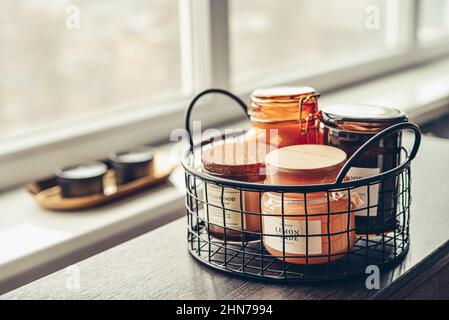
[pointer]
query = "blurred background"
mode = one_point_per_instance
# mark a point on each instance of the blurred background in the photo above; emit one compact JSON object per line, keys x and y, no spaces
{"x":79,"y":69}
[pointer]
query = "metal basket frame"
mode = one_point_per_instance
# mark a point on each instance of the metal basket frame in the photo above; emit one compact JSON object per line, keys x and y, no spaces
{"x":251,"y":259}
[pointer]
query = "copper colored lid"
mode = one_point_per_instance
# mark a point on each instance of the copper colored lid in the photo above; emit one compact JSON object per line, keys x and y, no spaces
{"x":361,"y":118}
{"x":282,"y":93}
{"x":306,"y":159}
{"x":282,"y":103}
{"x":234,"y":159}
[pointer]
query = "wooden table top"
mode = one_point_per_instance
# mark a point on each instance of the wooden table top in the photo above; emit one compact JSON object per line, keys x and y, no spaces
{"x":157,"y":265}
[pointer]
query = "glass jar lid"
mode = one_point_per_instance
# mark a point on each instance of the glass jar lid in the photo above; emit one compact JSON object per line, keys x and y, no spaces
{"x":235,"y":159}
{"x":306,"y":159}
{"x":281,"y":94}
{"x":360,"y":117}
{"x":282,"y":103}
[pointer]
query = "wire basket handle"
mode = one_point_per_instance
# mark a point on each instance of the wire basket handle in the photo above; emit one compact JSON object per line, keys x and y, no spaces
{"x":200,"y":95}
{"x":384,"y":133}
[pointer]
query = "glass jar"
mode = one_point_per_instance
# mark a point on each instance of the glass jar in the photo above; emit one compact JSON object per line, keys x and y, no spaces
{"x":348,"y":127}
{"x":313,"y":228}
{"x":228,"y":208}
{"x":284,"y":116}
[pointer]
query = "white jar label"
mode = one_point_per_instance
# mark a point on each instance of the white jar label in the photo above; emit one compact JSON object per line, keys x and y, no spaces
{"x":294,"y":229}
{"x":231,"y":200}
{"x":360,"y":173}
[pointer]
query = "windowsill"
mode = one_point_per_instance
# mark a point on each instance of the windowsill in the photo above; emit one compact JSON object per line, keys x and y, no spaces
{"x":35,"y":242}
{"x":422,"y":92}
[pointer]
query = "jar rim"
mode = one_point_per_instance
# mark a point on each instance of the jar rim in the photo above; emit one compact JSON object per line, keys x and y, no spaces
{"x":98,"y":168}
{"x":282,"y":93}
{"x":281,"y":104}
{"x":305,"y":159}
{"x":362,"y":114}
{"x":280,"y":97}
{"x":142,"y":153}
{"x":235,"y":159}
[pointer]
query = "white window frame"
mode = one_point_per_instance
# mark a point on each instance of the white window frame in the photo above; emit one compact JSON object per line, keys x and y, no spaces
{"x":433,"y":35}
{"x":205,"y":63}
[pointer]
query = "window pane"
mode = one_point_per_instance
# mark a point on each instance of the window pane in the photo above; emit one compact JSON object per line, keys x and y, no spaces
{"x":125,"y":53}
{"x":271,"y":35}
{"x":433,"y":19}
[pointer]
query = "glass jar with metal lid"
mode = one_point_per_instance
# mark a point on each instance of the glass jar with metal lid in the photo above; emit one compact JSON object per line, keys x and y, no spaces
{"x":284,"y":116}
{"x":348,"y":127}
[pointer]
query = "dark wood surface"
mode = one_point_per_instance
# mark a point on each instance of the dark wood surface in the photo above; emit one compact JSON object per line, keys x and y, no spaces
{"x":157,"y":265}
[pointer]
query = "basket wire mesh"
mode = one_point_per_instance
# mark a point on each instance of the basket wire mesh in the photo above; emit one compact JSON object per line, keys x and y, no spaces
{"x":249,"y":256}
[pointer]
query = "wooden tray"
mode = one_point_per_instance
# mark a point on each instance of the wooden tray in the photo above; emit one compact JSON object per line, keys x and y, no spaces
{"x":47,"y":193}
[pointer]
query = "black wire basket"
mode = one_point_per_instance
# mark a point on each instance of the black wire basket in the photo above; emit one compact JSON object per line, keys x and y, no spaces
{"x":249,"y":256}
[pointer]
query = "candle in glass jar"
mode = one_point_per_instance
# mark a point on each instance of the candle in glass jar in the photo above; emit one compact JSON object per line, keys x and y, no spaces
{"x":81,"y":180}
{"x":284,"y":116}
{"x":238,"y":161}
{"x":132,"y":164}
{"x":312,"y":228}
{"x":348,"y":127}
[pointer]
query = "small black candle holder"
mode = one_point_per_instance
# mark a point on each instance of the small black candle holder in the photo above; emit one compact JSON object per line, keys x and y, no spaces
{"x":132,"y":164}
{"x":81,"y":180}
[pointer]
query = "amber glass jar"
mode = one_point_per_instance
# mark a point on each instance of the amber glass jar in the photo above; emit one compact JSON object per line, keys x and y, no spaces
{"x":349,"y":127}
{"x":284,"y":116}
{"x":308,"y":228}
{"x":239,"y":161}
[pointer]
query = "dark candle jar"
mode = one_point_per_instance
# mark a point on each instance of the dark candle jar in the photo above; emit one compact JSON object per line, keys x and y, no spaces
{"x":132,"y":164}
{"x":348,"y":127}
{"x":81,"y":180}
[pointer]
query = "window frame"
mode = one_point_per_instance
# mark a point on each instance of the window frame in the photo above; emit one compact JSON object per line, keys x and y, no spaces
{"x":205,"y":63}
{"x":432,"y":35}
